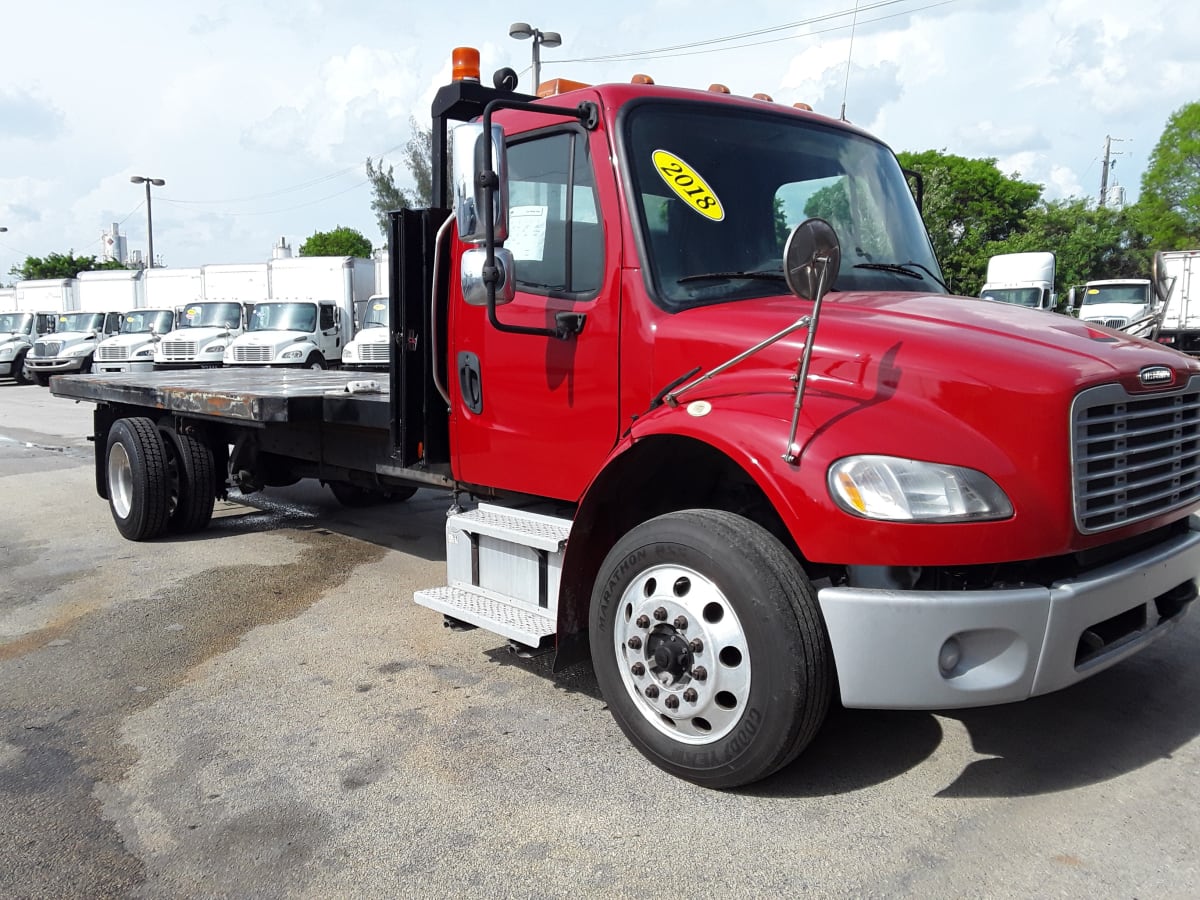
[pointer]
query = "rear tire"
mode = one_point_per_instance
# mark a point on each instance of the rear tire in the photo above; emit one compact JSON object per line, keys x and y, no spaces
{"x":136,"y":476}
{"x":192,"y":482}
{"x":709,"y":647}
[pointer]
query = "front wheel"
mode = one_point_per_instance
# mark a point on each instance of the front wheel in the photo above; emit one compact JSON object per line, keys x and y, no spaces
{"x":709,"y":647}
{"x":20,"y":376}
{"x":315,"y":361}
{"x":41,"y":378}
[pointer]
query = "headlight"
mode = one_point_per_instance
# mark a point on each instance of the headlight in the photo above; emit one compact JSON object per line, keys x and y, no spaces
{"x":145,"y":351}
{"x":905,"y":490}
{"x":293,"y":354}
{"x":7,"y":351}
{"x":215,"y":348}
{"x":348,"y":353}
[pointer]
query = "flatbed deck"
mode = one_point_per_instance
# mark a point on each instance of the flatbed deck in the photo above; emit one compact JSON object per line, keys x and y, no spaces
{"x":296,"y":396}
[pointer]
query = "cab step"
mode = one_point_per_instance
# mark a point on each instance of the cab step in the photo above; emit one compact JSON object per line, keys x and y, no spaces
{"x":503,"y":566}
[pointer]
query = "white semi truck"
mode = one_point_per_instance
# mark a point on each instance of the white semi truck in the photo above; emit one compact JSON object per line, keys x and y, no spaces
{"x":202,"y":332}
{"x":1123,"y":304}
{"x":131,"y":349}
{"x":371,"y":347}
{"x":19,"y":328}
{"x":1022,"y":279}
{"x":92,"y":311}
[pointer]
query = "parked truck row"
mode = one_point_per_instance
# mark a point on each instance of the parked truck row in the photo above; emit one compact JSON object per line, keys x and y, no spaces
{"x":746,"y":473}
{"x":134,"y":320}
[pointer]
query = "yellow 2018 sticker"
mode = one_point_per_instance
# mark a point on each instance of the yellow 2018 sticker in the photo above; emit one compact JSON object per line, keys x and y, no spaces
{"x":688,"y":185}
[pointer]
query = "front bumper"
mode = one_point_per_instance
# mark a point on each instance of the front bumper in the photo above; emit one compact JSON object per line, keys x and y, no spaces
{"x":55,"y":366}
{"x":892,"y":647}
{"x":125,"y":365}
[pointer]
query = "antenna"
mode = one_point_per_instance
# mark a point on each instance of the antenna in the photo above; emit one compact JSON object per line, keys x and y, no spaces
{"x":849,"y":53}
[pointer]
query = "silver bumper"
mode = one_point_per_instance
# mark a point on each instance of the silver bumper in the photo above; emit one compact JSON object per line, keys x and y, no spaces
{"x":940,"y":650}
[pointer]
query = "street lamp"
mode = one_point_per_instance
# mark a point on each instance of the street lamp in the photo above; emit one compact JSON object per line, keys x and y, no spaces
{"x":157,"y":182}
{"x":522,"y":30}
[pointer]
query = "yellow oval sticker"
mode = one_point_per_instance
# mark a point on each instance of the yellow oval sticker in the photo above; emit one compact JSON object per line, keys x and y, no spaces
{"x":688,"y":185}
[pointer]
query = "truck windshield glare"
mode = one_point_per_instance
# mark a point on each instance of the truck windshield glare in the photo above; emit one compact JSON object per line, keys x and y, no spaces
{"x":717,"y":195}
{"x":80,"y":322}
{"x":11,"y":323}
{"x":283,"y":317}
{"x":145,"y":321}
{"x":219,"y":315}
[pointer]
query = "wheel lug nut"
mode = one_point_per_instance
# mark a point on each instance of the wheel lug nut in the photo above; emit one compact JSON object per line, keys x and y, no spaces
{"x":672,"y":701}
{"x":681,"y":623}
{"x":638,"y":669}
{"x":661,"y":614}
{"x":696,"y":645}
{"x":635,"y":643}
{"x":652,"y":691}
{"x":643,"y":621}
{"x":690,"y":695}
{"x":699,"y":673}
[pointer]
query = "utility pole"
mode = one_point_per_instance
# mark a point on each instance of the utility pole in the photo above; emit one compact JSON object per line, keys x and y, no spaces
{"x":1106,"y":166}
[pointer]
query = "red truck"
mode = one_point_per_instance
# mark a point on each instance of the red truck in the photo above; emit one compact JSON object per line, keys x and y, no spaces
{"x":706,"y":412}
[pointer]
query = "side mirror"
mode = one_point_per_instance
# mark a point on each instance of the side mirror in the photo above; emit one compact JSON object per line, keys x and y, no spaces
{"x":1072,"y":299}
{"x":467,"y":163}
{"x":474,"y":289}
{"x":811,"y":258}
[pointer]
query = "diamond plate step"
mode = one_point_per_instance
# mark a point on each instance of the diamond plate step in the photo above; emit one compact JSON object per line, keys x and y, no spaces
{"x":519,"y":623}
{"x":524,"y":528}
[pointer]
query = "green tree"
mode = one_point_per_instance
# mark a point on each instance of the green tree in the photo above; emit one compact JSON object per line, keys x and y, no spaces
{"x":1168,"y":207}
{"x":341,"y":241}
{"x":969,"y":207}
{"x":418,"y":157}
{"x":59,"y":265}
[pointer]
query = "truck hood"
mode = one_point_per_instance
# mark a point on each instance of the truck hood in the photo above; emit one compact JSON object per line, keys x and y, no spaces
{"x":199,"y":333}
{"x":276,"y":340}
{"x":938,"y":337}
{"x":67,"y":338}
{"x":126,"y":340}
{"x":372,"y":336}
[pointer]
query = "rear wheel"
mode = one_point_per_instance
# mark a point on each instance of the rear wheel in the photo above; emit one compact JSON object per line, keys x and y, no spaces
{"x":709,"y":647}
{"x":191,"y":481}
{"x":136,"y":473}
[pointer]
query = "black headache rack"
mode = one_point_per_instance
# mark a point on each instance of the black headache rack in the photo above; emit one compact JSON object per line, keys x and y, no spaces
{"x":420,"y":414}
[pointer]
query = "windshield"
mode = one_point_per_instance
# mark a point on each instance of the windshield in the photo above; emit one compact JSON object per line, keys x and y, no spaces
{"x":1116,"y":293}
{"x":15,"y":323}
{"x":283,"y":317}
{"x":219,"y":315}
{"x":145,"y":321}
{"x":377,"y":314}
{"x":1031,"y":297}
{"x":719,"y":191}
{"x":80,"y":322}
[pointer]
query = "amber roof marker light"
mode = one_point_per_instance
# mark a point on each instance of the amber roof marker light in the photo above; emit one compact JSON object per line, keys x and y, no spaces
{"x":464,"y":64}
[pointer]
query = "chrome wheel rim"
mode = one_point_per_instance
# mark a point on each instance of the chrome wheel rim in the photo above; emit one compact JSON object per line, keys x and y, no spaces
{"x":120,"y":480}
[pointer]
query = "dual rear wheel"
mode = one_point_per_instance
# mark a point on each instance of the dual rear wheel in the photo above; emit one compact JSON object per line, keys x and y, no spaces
{"x":158,"y":479}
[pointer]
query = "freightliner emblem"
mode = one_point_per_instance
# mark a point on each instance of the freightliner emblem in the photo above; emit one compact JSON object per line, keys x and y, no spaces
{"x":1153,"y":375}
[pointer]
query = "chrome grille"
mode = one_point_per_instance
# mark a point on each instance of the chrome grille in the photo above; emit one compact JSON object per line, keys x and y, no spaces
{"x":252,"y":354}
{"x":1134,"y":456}
{"x":374,"y":352}
{"x":110,"y":354}
{"x":47,"y":348}
{"x":1116,"y":323}
{"x":178,"y":348}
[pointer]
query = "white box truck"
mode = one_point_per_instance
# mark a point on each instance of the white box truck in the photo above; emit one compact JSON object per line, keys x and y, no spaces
{"x":1175,"y":273}
{"x":309,"y":316}
{"x":202,"y":332}
{"x":371,"y":347}
{"x":24,"y":317}
{"x":131,"y":349}
{"x":1022,"y":279}
{"x":1123,"y":304}
{"x":173,"y":288}
{"x":77,"y":332}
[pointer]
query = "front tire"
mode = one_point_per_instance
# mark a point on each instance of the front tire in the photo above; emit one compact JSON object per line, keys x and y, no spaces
{"x":709,"y":647}
{"x":41,"y":379}
{"x":315,"y":361}
{"x":20,"y":376}
{"x":136,"y":473}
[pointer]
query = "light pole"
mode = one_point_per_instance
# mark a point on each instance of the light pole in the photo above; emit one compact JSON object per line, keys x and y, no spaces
{"x":157,"y":182}
{"x":522,"y":30}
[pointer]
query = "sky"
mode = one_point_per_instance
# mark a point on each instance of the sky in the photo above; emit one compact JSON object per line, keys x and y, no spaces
{"x":260,"y":114}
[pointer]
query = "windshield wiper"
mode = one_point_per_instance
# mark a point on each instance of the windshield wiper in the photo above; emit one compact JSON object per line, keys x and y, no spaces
{"x":903,"y":269}
{"x":723,"y":276}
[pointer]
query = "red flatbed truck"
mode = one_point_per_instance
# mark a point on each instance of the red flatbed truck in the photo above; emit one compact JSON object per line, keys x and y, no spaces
{"x":751,"y":468}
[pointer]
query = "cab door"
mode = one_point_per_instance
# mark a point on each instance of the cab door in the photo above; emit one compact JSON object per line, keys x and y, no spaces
{"x":530,"y":413}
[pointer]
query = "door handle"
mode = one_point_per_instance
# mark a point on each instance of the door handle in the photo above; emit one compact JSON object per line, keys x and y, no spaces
{"x":470,"y":381}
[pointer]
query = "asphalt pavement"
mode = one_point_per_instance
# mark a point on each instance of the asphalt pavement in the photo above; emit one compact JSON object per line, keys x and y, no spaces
{"x":261,"y":710}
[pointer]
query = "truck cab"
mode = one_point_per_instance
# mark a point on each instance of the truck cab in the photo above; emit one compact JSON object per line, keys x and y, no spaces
{"x":18,"y":331}
{"x":132,"y":348}
{"x":1116,"y":303}
{"x":371,"y":347}
{"x":72,"y":345}
{"x":1022,"y":279}
{"x":202,"y":332}
{"x":293,"y":333}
